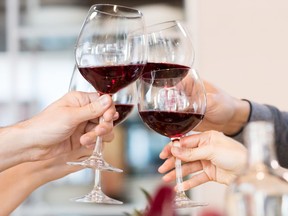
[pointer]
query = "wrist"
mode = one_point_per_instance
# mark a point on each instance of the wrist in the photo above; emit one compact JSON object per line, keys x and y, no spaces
{"x":240,"y":118}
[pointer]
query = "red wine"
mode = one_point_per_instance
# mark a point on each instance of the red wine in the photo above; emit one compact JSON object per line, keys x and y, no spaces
{"x":110,"y":79}
{"x":153,"y":66}
{"x":163,"y":77}
{"x":171,"y":124}
{"x":124,"y":110}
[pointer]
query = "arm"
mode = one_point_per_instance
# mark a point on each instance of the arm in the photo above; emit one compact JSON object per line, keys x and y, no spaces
{"x":280,"y":120}
{"x":229,"y":115}
{"x":48,"y":134}
{"x":18,"y":182}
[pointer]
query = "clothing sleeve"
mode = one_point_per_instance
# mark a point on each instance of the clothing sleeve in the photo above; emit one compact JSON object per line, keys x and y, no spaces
{"x":260,"y":112}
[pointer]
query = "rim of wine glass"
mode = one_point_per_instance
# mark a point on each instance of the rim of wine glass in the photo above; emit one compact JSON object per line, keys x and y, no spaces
{"x":152,"y":29}
{"x":123,"y":12}
{"x":166,"y":25}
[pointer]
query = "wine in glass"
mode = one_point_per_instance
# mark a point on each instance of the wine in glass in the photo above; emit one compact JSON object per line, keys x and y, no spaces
{"x":110,"y":55}
{"x":172,"y":102}
{"x":124,"y":100}
{"x":169,"y":46}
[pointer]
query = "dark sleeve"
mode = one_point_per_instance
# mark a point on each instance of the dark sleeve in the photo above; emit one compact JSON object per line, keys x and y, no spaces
{"x":270,"y":113}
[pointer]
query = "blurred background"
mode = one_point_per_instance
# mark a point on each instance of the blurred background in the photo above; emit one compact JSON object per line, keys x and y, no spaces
{"x":240,"y":46}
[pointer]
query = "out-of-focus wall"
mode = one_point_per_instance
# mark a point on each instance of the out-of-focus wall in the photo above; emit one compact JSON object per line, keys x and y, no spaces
{"x":243,"y":48}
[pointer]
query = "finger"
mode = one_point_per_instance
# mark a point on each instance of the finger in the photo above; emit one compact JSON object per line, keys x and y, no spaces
{"x":75,"y":143}
{"x":93,"y":122}
{"x":192,"y":167}
{"x":203,"y":152}
{"x":187,"y":169}
{"x":108,"y":137}
{"x":90,"y":126}
{"x":110,"y":114}
{"x":195,"y":180}
{"x":166,"y":152}
{"x":104,"y":128}
{"x":192,"y":141}
{"x":89,"y":138}
{"x":95,"y":109}
{"x":116,"y":116}
{"x":169,"y":164}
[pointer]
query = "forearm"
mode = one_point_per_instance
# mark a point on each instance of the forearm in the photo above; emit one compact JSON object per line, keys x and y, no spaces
{"x":20,"y":181}
{"x":16,"y":184}
{"x":13,"y":146}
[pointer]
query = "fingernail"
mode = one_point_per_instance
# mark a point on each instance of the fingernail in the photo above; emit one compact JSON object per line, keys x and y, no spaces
{"x":104,"y":100}
{"x":161,"y":155}
{"x":116,"y":116}
{"x":176,"y":143}
{"x":175,"y":150}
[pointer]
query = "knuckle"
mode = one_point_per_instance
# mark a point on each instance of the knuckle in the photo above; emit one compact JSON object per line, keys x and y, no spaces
{"x":93,"y":108}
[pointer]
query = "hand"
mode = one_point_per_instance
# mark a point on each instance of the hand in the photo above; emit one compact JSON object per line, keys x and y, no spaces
{"x":70,"y":115}
{"x":49,"y":133}
{"x":224,"y":113}
{"x":217,"y":157}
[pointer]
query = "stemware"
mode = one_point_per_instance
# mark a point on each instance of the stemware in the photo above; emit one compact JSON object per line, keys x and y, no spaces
{"x":124,"y":101}
{"x":169,"y":46}
{"x":110,"y":55}
{"x":172,"y":102}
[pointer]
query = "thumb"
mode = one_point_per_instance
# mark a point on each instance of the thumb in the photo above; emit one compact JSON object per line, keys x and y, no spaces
{"x":94,"y":109}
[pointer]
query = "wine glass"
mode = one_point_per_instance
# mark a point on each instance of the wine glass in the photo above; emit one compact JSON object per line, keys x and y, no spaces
{"x":124,"y":101}
{"x":110,"y":55}
{"x":169,"y":46}
{"x":172,"y":102}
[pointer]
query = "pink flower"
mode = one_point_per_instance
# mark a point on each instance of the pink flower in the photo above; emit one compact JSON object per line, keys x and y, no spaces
{"x":163,"y":202}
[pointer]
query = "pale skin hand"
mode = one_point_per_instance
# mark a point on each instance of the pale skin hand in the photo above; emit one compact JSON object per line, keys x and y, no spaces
{"x":213,"y":155}
{"x":224,"y":113}
{"x":48,"y":134}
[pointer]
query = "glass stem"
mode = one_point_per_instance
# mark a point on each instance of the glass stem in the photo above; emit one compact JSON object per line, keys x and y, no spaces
{"x":97,"y":180}
{"x":178,"y":169}
{"x":97,"y":152}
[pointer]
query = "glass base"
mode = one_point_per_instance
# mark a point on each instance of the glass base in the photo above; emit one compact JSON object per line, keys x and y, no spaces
{"x":182,"y":201}
{"x":97,"y":197}
{"x":96,"y":163}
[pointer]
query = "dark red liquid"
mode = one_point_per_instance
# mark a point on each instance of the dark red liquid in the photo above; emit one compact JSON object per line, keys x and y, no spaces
{"x":124,"y":110}
{"x":110,"y":79}
{"x":171,"y":124}
{"x":180,"y":70}
{"x":163,"y":77}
